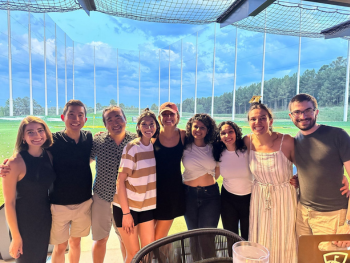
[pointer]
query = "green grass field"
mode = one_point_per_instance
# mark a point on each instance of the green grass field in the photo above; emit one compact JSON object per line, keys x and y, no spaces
{"x":9,"y":128}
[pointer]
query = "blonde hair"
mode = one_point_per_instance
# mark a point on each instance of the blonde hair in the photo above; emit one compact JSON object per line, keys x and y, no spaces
{"x":23,"y":146}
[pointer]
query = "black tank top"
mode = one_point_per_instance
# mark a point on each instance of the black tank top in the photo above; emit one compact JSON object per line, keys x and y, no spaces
{"x":170,"y":190}
{"x":35,"y":185}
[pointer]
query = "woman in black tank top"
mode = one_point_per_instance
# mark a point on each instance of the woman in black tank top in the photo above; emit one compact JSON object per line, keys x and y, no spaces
{"x":26,"y":192}
{"x":168,"y":149}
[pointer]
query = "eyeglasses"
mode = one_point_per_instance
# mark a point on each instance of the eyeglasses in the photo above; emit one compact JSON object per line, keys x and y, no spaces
{"x":307,"y":112}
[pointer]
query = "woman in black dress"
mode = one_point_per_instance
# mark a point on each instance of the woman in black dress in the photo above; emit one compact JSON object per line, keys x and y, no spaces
{"x":168,"y":149}
{"x":26,"y":192}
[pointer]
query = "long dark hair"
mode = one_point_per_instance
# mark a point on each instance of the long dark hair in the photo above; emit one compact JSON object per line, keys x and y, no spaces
{"x":208,"y":122}
{"x":219,"y":146}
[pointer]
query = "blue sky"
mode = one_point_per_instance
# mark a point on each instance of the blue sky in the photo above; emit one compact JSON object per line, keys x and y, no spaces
{"x":107,"y":33}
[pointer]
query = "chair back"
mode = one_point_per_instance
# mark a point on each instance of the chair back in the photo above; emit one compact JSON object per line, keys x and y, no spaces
{"x":203,"y":245}
{"x":309,"y":251}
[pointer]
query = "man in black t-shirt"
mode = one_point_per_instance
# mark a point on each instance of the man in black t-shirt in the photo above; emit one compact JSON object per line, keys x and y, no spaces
{"x":71,"y":195}
{"x":321,"y":153}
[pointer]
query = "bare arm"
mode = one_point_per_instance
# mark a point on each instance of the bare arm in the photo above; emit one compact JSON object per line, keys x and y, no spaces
{"x":183,"y":135}
{"x":345,"y":229}
{"x":347,"y":168}
{"x":9,"y":184}
{"x":128,"y":221}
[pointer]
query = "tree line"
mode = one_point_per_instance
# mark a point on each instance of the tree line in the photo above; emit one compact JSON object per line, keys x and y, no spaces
{"x":326,"y":85}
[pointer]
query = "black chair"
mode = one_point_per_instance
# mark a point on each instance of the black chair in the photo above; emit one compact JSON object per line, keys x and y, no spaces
{"x":200,"y":245}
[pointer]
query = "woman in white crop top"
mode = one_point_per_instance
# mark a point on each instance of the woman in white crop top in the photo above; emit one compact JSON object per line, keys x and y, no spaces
{"x":202,"y":191}
{"x":231,"y":154}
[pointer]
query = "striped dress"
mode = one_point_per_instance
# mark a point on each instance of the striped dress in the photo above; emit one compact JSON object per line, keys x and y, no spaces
{"x":273,"y":205}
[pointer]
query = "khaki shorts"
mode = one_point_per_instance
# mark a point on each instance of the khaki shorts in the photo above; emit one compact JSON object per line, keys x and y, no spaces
{"x":311,"y":222}
{"x":101,"y":218}
{"x":70,"y":221}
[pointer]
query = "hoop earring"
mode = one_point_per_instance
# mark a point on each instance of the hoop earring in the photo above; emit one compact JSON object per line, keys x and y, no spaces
{"x":24,"y":142}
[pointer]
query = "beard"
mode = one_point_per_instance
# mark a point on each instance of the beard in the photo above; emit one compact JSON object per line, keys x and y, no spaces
{"x":312,"y":122}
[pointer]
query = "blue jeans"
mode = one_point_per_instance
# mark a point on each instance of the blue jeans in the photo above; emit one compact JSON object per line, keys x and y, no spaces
{"x":202,"y":206}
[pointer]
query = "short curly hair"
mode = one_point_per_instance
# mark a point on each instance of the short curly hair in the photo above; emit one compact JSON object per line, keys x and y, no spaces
{"x":209,"y":124}
{"x":219,"y":146}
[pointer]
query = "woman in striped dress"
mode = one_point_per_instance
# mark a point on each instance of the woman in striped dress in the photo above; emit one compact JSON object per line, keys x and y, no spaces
{"x":273,"y":199}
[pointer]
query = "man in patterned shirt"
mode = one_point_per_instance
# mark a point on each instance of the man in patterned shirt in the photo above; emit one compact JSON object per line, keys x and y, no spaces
{"x":107,"y":151}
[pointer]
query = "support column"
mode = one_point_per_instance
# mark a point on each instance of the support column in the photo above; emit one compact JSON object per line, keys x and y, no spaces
{"x":346,"y":96}
{"x":31,"y":111}
{"x":235,"y":79}
{"x":159,"y":84}
{"x":73,"y":74}
{"x":299,"y":54}
{"x":45,"y":73}
{"x":181,"y":84}
{"x":117,"y":77}
{"x":213,"y":80}
{"x":10,"y":62}
{"x":169,"y":75}
{"x":195,"y":78}
{"x":65,"y":68}
{"x":94,"y":82}
{"x":139,"y":82}
{"x":263,"y":64}
{"x":57,"y":113}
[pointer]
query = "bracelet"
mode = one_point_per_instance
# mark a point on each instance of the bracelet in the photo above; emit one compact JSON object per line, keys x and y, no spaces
{"x":126,"y":214}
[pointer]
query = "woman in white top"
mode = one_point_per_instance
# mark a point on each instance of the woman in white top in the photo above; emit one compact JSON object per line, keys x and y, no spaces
{"x":231,"y":154}
{"x":202,"y":191}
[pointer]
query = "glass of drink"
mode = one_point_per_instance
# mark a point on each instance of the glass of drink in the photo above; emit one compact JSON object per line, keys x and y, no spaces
{"x":249,"y":252}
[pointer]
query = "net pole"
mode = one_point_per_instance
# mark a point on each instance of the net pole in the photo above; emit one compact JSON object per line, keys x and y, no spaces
{"x":45,"y":72}
{"x":139,"y":82}
{"x":195,"y":78}
{"x":169,"y":75}
{"x":299,"y":54}
{"x":73,"y":74}
{"x":30,"y":67}
{"x":94,"y":82}
{"x":159,"y":82}
{"x":235,"y":79}
{"x":181,"y":84}
{"x":56,"y":70}
{"x":65,"y":67}
{"x":213,"y":78}
{"x":10,"y":61}
{"x":117,"y":77}
{"x":263,"y":64}
{"x":346,"y":96}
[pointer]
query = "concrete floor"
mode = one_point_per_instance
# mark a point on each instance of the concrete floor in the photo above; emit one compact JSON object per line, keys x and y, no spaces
{"x":113,"y":254}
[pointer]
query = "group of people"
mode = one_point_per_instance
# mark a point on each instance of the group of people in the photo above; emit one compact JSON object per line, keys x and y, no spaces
{"x":47,"y":182}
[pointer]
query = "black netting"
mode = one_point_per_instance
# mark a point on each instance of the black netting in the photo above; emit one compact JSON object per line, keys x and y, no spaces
{"x":40,"y":6}
{"x":166,"y":11}
{"x":284,"y":18}
{"x":281,"y":18}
